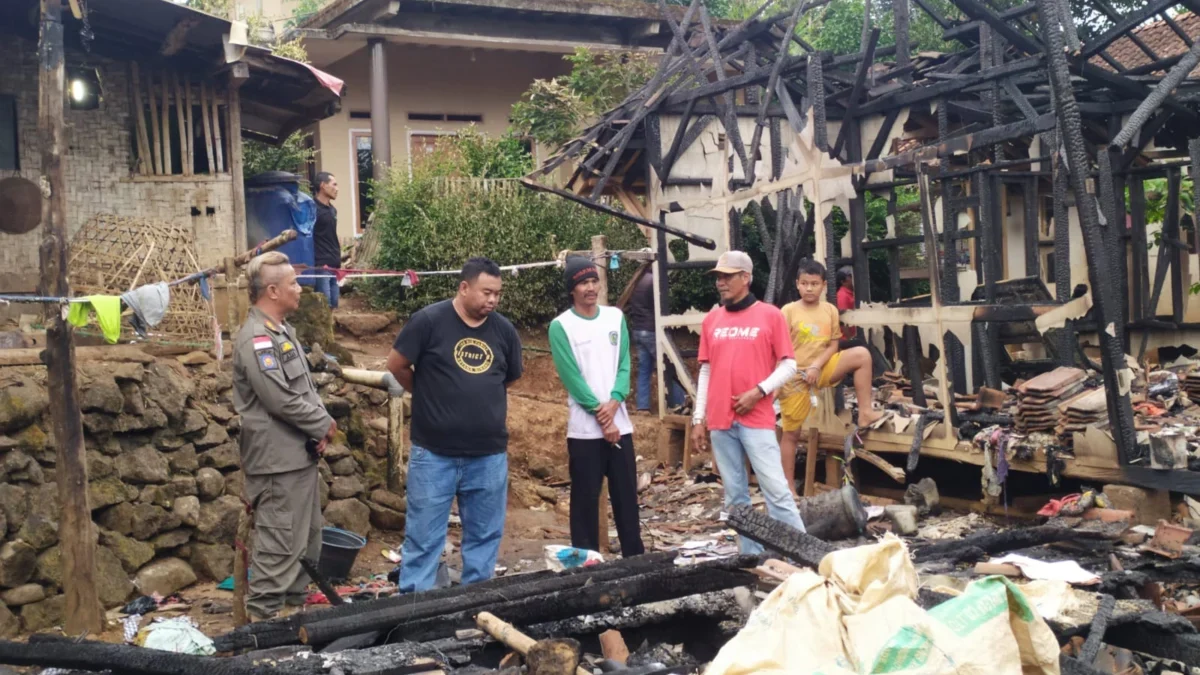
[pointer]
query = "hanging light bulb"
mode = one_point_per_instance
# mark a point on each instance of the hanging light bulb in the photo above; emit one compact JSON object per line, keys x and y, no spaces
{"x":78,"y":90}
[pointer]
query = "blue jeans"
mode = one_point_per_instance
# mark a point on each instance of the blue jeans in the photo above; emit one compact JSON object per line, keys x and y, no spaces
{"x":327,"y":286}
{"x":481,"y":485}
{"x":760,"y":445}
{"x":647,"y":359}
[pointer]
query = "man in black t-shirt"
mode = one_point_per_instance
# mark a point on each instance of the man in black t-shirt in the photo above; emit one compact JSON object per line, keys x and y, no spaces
{"x":458,"y":358}
{"x":327,"y":249}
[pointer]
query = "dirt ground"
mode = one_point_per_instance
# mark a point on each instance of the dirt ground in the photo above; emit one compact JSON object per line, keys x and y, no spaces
{"x":538,"y":498}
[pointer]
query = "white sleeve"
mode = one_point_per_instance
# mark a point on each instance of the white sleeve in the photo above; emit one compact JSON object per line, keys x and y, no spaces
{"x":701,"y":394}
{"x":783,"y":372}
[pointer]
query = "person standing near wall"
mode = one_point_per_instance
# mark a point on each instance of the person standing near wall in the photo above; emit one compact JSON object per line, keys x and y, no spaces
{"x":458,"y":357}
{"x":327,"y":248}
{"x":745,"y":355}
{"x":285,"y":428}
{"x":641,"y":319}
{"x":590,"y":346}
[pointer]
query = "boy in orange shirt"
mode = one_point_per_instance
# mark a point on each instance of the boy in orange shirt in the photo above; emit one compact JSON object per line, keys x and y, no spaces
{"x":815,"y":330}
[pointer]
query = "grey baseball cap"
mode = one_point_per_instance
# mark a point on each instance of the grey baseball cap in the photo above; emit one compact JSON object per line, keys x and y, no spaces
{"x":732,"y":262}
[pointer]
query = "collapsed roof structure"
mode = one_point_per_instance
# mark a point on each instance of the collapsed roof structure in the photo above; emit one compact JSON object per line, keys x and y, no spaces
{"x":1020,"y":162}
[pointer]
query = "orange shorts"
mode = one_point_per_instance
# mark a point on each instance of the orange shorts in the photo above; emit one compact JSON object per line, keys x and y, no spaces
{"x":796,"y":402}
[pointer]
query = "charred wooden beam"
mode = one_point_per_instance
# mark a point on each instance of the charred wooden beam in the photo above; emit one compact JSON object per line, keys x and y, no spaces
{"x":1091,"y":648}
{"x":776,"y":68}
{"x":941,"y":89}
{"x":732,"y":132}
{"x":1171,"y":233}
{"x":547,"y":601}
{"x":816,"y":97}
{"x":979,"y":12}
{"x":1120,"y":409}
{"x":975,"y":141}
{"x":933,"y":13}
{"x":860,"y":79}
{"x":100,"y":656}
{"x":777,"y":536}
{"x":1033,"y":236}
{"x":913,"y":350}
{"x":1157,"y":96}
{"x":900,"y":22}
{"x":1141,"y":255}
{"x":977,"y":545}
{"x":703,"y":242}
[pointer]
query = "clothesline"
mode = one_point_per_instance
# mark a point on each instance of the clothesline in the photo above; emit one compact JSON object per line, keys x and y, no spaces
{"x":346,"y":273}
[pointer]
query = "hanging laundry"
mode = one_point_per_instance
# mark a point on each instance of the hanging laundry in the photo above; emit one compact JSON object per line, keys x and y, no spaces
{"x":410,"y":279}
{"x":204,"y":290}
{"x":108,"y":314}
{"x":149,"y":304}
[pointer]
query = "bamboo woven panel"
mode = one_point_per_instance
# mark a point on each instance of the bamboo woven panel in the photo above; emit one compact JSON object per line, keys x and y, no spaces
{"x":112,"y":254}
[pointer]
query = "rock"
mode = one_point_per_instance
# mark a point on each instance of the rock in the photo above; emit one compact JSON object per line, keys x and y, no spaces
{"x":187,"y":509}
{"x":172,"y":539}
{"x":335,"y":451}
{"x":377,"y":397}
{"x":167,"y":440}
{"x":118,"y":518}
{"x":214,"y":435}
{"x":184,"y":486}
{"x":48,"y":613}
{"x":128,"y":372}
{"x":389,"y":499}
{"x":221,"y":457}
{"x":540,"y":467}
{"x":21,"y":404}
{"x":99,"y":466}
{"x":219,"y":413}
{"x":169,"y":386}
{"x":153,"y":418}
{"x":131,"y":552}
{"x":149,"y":520}
{"x":362,"y":325}
{"x":235,"y":483}
{"x":379,"y":424}
{"x":345,"y":466}
{"x":213,"y":562}
{"x":111,"y":447}
{"x":218,"y":520}
{"x":39,"y":531}
{"x":324,"y":489}
{"x":165,"y":577}
{"x":903,"y":517}
{"x":384,"y":518}
{"x":102,"y":395}
{"x":135,"y":401}
{"x":547,"y":493}
{"x":159,"y":495}
{"x":17,"y":563}
{"x":345,"y":487}
{"x":33,"y":440}
{"x":349,"y":514}
{"x":210,"y":484}
{"x":106,"y":492}
{"x":23,"y":595}
{"x":144,"y":465}
{"x":193,"y":422}
{"x":10,"y":625}
{"x":924,"y":495}
{"x":336,"y":406}
{"x":49,"y":567}
{"x":323,"y":470}
{"x":112,"y":583}
{"x":183,"y":460}
{"x":195,"y":359}
{"x":13,"y":503}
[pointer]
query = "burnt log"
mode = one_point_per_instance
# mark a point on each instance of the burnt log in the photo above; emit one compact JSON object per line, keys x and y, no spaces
{"x":545,"y":602}
{"x":101,"y":656}
{"x":1009,"y":540}
{"x":1091,"y":647}
{"x":777,"y":536}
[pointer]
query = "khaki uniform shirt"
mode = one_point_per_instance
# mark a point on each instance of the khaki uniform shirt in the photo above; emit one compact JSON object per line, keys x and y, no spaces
{"x":276,"y":398}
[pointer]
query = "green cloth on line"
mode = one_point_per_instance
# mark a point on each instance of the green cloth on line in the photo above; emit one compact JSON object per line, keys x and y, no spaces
{"x":108,"y":314}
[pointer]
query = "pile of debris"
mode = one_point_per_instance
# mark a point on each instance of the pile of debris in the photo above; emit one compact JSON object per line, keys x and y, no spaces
{"x":1038,"y":399}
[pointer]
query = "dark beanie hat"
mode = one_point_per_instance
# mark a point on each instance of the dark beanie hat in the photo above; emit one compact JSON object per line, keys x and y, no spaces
{"x":579,"y":269}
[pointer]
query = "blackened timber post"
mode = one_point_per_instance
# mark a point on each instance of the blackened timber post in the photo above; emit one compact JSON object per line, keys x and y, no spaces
{"x":83,"y":613}
{"x":1116,"y":379}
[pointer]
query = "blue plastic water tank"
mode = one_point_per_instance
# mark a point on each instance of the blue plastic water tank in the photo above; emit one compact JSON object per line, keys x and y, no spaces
{"x":274,"y":203}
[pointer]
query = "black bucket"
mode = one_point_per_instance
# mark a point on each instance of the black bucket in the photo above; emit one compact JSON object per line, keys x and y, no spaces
{"x":835,"y":515}
{"x":339,"y":549}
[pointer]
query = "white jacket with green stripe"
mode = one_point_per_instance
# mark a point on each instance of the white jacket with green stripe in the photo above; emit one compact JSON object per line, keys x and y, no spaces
{"x":592,"y":359}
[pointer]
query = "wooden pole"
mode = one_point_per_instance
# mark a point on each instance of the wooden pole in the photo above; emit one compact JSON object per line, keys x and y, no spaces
{"x":241,"y":566}
{"x":154,"y":123}
{"x":187,"y":135}
{"x":237,"y":77}
{"x":206,"y":122}
{"x":599,"y":257}
{"x":395,"y":456}
{"x":218,"y":144}
{"x":83,"y":613}
{"x":508,"y":635}
{"x":168,"y":166}
{"x":185,"y":168}
{"x":145,"y":157}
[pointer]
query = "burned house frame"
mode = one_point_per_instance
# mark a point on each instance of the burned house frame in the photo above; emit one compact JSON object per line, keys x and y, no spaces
{"x":1026,"y":112}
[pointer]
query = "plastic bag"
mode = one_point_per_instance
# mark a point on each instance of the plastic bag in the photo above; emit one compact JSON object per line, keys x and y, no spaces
{"x":559,"y":558}
{"x":178,"y":635}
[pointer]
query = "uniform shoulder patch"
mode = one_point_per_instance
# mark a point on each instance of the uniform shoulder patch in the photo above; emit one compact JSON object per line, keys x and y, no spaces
{"x":267,"y":360}
{"x":262,"y":342}
{"x":272,"y":326}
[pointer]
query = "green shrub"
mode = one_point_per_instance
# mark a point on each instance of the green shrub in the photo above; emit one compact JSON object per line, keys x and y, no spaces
{"x":424,"y":226}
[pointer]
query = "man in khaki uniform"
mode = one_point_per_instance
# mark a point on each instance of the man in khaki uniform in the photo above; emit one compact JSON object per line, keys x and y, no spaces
{"x":285,"y":427}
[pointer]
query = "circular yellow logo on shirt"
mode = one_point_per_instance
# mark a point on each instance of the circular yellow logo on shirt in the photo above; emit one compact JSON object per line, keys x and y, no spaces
{"x":473,"y":356}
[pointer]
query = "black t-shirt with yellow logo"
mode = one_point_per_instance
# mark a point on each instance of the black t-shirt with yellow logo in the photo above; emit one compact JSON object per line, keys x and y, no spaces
{"x":459,"y":400}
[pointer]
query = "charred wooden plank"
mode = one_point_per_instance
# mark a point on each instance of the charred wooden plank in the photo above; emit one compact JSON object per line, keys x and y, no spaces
{"x":816,"y":96}
{"x":1157,"y":96}
{"x":777,"y":536}
{"x":860,"y":78}
{"x":776,"y":68}
{"x":1124,"y":24}
{"x":1091,"y":647}
{"x":101,"y":656}
{"x":961,"y":549}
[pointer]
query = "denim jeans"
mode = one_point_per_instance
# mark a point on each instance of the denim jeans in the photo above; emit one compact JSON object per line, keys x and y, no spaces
{"x":328,"y":286}
{"x":760,"y":445}
{"x":647,"y":358}
{"x":481,"y":485}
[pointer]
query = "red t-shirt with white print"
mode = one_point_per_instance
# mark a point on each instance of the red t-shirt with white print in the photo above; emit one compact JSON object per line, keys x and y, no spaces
{"x":742,"y":349}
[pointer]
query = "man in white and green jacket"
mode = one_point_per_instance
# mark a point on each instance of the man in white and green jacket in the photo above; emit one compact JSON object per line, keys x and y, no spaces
{"x":590,"y":344}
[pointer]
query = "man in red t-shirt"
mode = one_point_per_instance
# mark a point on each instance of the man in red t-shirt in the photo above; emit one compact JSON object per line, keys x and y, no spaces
{"x":745,"y":355}
{"x":845,"y":298}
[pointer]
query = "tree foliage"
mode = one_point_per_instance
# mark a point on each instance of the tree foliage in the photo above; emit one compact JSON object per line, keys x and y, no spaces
{"x":293,"y":155}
